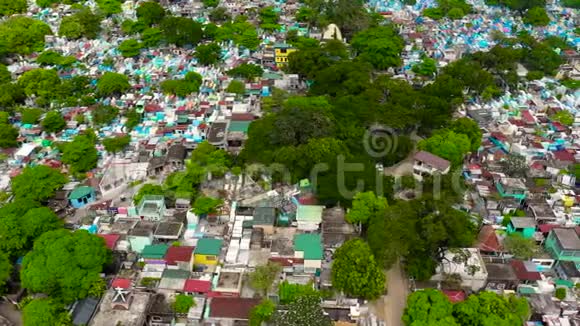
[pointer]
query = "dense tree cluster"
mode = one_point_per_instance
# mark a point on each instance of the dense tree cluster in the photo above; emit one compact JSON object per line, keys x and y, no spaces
{"x":80,"y":154}
{"x":182,"y":87}
{"x":83,"y":23}
{"x":38,"y":183}
{"x":22,"y":35}
{"x":432,"y":307}
{"x":452,"y":9}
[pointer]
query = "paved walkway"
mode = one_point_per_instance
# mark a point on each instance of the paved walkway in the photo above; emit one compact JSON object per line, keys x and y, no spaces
{"x":391,"y":306}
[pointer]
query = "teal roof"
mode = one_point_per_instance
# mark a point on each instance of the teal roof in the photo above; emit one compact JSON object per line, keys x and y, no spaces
{"x":241,"y":126}
{"x":81,"y":192}
{"x":282,"y":46}
{"x":206,"y":246}
{"x":310,"y":244}
{"x":156,"y":251}
{"x":175,"y":274}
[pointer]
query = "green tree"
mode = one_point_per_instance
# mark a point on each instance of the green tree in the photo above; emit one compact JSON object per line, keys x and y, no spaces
{"x":564,"y":117}
{"x":22,"y":35}
{"x":380,"y":46}
{"x":80,"y":154}
{"x":8,"y":136}
{"x":53,"y":58}
{"x":130,"y":48}
{"x":11,"y":95}
{"x":206,"y":205}
{"x":469,"y":128}
{"x":151,"y":37}
{"x":269,"y":19}
{"x":64,"y":264}
{"x":53,"y":122}
{"x":262,"y":278}
{"x":537,"y":16}
{"x":305,"y":310}
{"x":181,"y":31}
{"x":9,"y":8}
{"x":133,"y":119}
{"x":104,"y":114}
{"x":38,"y":183}
{"x":208,"y":54}
{"x":182,"y":303}
{"x":210,"y":3}
{"x":247,"y":71}
{"x":236,"y":87}
{"x":40,"y":82}
{"x":5,"y":76}
{"x":46,"y":311}
{"x":289,"y":292}
{"x":147,"y":189}
{"x":365,"y":205}
{"x":427,"y":67}
{"x":83,"y":23}
{"x":5,"y":270}
{"x":116,"y":144}
{"x":488,"y":308}
{"x":219,"y":15}
{"x":110,"y":7}
{"x":355,"y":271}
{"x":448,"y":145}
{"x":428,"y":307}
{"x":560,"y":293}
{"x":112,"y":83}
{"x":150,"y":13}
{"x":262,"y":312}
{"x":519,"y":246}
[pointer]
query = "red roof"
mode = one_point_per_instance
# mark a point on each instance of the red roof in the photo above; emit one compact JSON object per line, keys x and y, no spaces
{"x":564,"y":155}
{"x":522,"y":273}
{"x":537,"y":166}
{"x":176,"y":254}
{"x":123,"y":283}
{"x":488,"y":240}
{"x":546,"y":228}
{"x":286,"y":262}
{"x":243,"y":117}
{"x":153,"y":108}
{"x":197,"y":286}
{"x":454,"y":296}
{"x":499,"y":136}
{"x":233,"y":308}
{"x":558,"y":126}
{"x":110,"y":240}
{"x":528,"y":117}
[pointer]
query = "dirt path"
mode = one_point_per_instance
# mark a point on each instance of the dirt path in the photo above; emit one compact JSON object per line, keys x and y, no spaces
{"x":390,"y":307}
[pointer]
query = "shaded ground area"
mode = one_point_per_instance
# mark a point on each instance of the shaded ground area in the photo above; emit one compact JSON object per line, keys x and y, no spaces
{"x":8,"y":311}
{"x":390,"y":307}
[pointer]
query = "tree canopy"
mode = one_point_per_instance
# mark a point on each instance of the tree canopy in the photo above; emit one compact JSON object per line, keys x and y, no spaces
{"x":45,"y":311}
{"x":380,"y":46}
{"x":11,"y":7}
{"x":64,"y":264}
{"x":262,"y":312}
{"x":83,"y":23}
{"x":355,"y":271}
{"x":448,"y":145}
{"x":8,"y":135}
{"x":5,"y":270}
{"x":22,"y":35}
{"x":182,"y":303}
{"x":262,"y":278}
{"x":208,"y":54}
{"x":116,"y":144}
{"x":365,"y":205}
{"x":147,"y":189}
{"x":150,"y":13}
{"x":206,"y":205}
{"x":247,"y":71}
{"x":537,"y":16}
{"x":305,"y":310}
{"x":38,"y":183}
{"x":519,"y":246}
{"x":181,"y":31}
{"x":112,"y":83}
{"x":104,"y":114}
{"x":80,"y":154}
{"x":53,"y":122}
{"x":130,"y":48}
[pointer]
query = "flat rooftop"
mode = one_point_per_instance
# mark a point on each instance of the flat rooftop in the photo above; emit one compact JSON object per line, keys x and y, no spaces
{"x":135,"y":316}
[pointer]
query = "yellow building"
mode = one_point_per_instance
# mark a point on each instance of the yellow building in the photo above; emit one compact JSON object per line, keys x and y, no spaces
{"x":207,"y":251}
{"x":281,"y":53}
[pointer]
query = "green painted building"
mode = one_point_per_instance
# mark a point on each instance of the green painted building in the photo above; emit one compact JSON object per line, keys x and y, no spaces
{"x":511,"y":188}
{"x":526,"y":226}
{"x":564,"y":245}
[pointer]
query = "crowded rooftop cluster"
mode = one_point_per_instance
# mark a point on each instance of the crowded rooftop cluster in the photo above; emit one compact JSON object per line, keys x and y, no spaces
{"x":289,"y":163}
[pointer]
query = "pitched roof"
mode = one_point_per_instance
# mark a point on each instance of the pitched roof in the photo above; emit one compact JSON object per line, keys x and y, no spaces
{"x":564,"y":156}
{"x":310,"y":244}
{"x":175,"y":254}
{"x":80,"y":192}
{"x":123,"y":283}
{"x":110,"y":240}
{"x":208,"y":246}
{"x":156,"y":251}
{"x":568,"y":238}
{"x":488,"y":240}
{"x":523,"y":273}
{"x":198,"y":286}
{"x":433,"y":160}
{"x":454,"y":296}
{"x":523,"y":222}
{"x":233,"y":308}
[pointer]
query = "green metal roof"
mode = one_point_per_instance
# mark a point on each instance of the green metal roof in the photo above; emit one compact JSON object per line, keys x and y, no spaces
{"x":310,"y":244}
{"x":80,"y":192}
{"x":156,"y":251}
{"x":206,"y":246}
{"x":175,"y":274}
{"x":566,"y":283}
{"x":239,"y":126}
{"x":309,"y":213}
